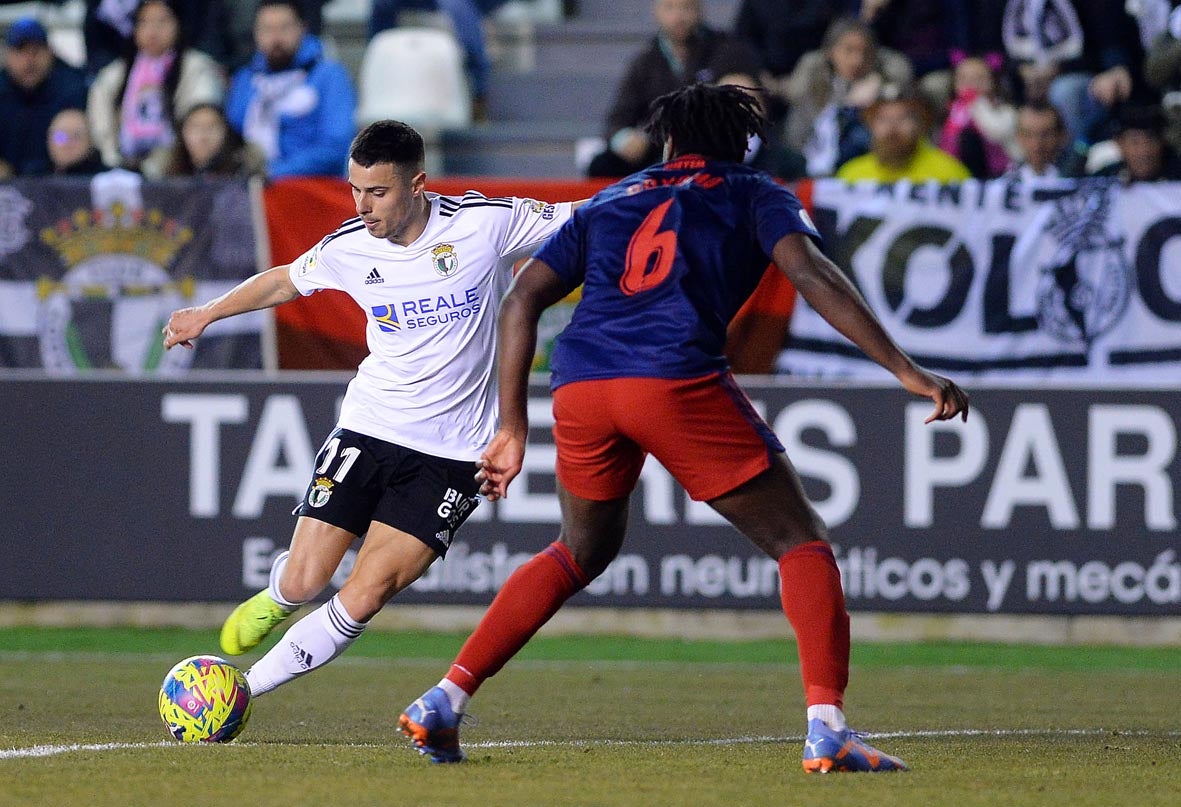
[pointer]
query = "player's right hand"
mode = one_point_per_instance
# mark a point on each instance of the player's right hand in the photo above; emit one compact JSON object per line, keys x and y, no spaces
{"x":499,"y":464}
{"x":949,"y":399}
{"x":185,"y":325}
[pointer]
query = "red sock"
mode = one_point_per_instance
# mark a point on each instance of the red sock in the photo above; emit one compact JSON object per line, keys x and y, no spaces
{"x":531,"y":595}
{"x":815,"y":606}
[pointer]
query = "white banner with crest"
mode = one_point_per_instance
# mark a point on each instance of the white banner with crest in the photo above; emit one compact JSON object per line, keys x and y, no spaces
{"x":90,"y":269}
{"x":1076,"y":280}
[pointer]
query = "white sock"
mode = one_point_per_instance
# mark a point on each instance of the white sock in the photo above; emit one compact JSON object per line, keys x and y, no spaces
{"x":273,"y":584}
{"x":455,"y":695}
{"x":832,"y":716}
{"x":311,"y":642}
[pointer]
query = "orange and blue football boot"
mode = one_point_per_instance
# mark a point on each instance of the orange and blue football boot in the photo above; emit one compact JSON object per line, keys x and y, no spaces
{"x":828,"y":751}
{"x":433,"y":727}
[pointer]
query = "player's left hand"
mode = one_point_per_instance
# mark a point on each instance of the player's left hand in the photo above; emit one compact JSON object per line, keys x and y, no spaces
{"x":949,"y":399}
{"x":499,"y":464}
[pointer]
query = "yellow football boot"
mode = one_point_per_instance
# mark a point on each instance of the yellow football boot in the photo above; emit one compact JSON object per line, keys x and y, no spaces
{"x":250,"y":623}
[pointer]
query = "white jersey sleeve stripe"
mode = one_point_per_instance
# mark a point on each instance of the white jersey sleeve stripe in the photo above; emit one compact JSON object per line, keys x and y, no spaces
{"x":343,"y":231}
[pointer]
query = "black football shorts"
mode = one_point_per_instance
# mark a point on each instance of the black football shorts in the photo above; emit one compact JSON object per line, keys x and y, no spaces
{"x":358,"y":479}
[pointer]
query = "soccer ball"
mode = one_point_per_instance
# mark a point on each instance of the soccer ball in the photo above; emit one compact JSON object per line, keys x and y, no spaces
{"x":205,"y":699}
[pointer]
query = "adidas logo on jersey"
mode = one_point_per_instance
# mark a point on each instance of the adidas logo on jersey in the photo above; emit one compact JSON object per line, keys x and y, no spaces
{"x":373,"y":277}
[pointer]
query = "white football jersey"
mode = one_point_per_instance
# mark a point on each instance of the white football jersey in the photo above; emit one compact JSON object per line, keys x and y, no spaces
{"x":429,"y":381}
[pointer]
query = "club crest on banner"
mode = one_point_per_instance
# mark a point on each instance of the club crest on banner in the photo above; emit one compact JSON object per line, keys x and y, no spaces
{"x":1085,"y":286}
{"x":115,"y":294}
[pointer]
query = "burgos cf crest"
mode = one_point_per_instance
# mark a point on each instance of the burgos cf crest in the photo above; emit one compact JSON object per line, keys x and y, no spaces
{"x":1085,"y":286}
{"x":116,"y":289}
{"x":321,"y":492}
{"x":387,"y":318}
{"x":444,"y":259}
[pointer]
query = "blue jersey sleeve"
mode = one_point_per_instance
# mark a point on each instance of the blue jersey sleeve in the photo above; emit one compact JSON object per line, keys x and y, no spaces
{"x":565,"y":251}
{"x":777,"y":212}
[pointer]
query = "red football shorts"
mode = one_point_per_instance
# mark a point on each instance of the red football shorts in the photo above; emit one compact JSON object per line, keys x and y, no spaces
{"x":703,"y":430}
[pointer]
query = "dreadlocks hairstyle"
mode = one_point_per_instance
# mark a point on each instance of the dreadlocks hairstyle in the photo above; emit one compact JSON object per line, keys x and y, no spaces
{"x":713,"y":121}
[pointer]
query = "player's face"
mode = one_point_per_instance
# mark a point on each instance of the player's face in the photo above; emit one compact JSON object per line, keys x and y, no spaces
{"x":389,"y":200}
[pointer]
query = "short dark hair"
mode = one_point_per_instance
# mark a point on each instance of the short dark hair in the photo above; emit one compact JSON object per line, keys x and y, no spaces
{"x":388,"y":141}
{"x":1142,"y":118}
{"x":713,"y":121}
{"x":295,"y":7}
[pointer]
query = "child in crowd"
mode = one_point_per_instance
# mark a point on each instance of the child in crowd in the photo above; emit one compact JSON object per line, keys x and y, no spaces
{"x":207,"y":146}
{"x":981,"y":128}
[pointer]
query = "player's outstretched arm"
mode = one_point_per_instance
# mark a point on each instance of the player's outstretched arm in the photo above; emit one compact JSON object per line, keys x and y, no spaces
{"x":828,"y":291}
{"x":264,"y":290}
{"x":535,"y":288}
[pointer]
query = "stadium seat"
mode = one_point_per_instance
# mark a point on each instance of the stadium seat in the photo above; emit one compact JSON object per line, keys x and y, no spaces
{"x":414,"y":75}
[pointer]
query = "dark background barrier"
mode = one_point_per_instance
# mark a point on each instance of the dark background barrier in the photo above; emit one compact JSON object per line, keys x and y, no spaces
{"x":1046,"y":501}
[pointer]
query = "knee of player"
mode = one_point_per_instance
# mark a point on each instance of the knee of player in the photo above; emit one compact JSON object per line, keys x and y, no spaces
{"x":362,"y":602}
{"x":593,"y":557}
{"x":300,"y":584}
{"x":782,"y":538}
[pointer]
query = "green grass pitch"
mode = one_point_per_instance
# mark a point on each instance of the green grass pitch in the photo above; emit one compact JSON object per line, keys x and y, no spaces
{"x":597,"y":721}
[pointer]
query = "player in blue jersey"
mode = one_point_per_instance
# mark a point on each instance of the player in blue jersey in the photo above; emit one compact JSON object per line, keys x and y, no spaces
{"x":666,"y":257}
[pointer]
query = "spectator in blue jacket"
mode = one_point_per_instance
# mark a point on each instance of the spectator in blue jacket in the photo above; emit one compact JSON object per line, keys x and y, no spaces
{"x":34,"y":86}
{"x":291,"y":101}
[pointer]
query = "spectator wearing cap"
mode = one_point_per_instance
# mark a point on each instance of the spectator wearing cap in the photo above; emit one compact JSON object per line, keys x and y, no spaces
{"x":1144,"y":154}
{"x":34,"y":86}
{"x":898,"y":147}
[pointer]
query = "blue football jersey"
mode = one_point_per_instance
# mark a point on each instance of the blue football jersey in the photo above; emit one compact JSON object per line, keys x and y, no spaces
{"x":666,"y":258}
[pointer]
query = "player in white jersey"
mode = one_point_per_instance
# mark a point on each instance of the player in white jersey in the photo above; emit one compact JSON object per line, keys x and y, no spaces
{"x":429,"y":272}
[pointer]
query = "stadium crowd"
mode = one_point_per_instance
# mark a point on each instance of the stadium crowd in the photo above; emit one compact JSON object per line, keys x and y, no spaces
{"x":858,"y":89}
{"x":930,"y":89}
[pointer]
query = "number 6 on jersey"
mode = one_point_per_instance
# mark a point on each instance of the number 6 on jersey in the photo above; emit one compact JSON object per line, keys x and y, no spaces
{"x":647,"y":247}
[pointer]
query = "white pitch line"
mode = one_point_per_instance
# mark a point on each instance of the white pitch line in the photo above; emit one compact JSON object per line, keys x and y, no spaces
{"x":55,"y":750}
